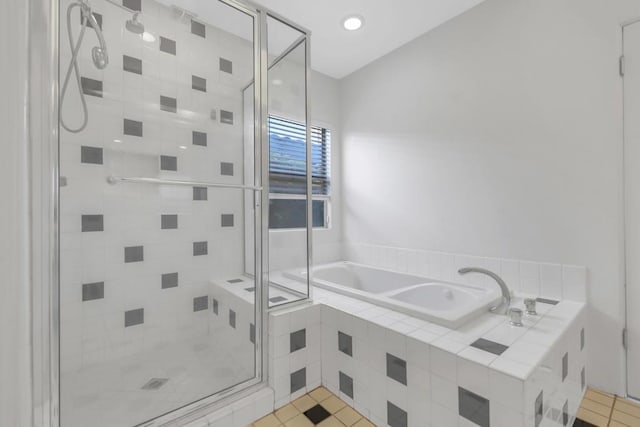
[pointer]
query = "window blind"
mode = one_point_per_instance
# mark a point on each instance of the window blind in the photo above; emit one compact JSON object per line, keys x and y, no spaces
{"x":287,"y":159}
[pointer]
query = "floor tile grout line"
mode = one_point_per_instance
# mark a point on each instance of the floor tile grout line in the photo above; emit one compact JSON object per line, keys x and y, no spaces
{"x":615,"y":397}
{"x":626,"y":401}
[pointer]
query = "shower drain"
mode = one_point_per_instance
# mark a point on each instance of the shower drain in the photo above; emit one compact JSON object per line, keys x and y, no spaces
{"x":155,"y":383}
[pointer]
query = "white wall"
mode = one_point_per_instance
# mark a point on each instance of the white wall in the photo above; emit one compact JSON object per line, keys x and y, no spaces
{"x":15,"y":402}
{"x":500,"y":134}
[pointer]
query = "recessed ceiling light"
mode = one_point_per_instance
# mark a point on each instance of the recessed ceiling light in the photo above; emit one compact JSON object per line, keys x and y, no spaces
{"x":277,"y":82}
{"x":148,"y":37}
{"x":352,"y":23}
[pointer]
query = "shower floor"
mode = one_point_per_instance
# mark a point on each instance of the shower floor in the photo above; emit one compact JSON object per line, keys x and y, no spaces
{"x":113,"y":394}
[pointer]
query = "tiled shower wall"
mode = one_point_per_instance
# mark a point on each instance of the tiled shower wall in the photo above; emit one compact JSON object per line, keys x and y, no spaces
{"x":136,"y":258}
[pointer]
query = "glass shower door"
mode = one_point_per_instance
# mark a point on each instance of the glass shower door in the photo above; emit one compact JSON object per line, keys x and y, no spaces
{"x":157,"y":301}
{"x":289,"y":158}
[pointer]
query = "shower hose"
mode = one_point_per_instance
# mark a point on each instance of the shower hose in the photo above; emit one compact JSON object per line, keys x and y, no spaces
{"x":73,"y":67}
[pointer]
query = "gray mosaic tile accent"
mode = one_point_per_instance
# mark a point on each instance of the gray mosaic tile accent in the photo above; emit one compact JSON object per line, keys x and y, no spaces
{"x":252,"y":333}
{"x":235,"y":281}
{"x":226,"y":65}
{"x":168,"y":163}
{"x":565,"y":366}
{"x":581,"y":339}
{"x":168,"y":104}
{"x":131,"y":64}
{"x":252,"y":289}
{"x":226,"y":168}
{"x":345,"y":343}
{"x":277,"y":299}
{"x":226,"y":117}
{"x":583,"y":378}
{"x":167,"y":45}
{"x":226,"y":220}
{"x":201,"y":303}
{"x":92,"y":223}
{"x":298,"y":380}
{"x":317,"y":414}
{"x":133,"y":4}
{"x":346,"y":384}
{"x":91,"y":155}
{"x":169,"y":280}
{"x":200,"y":248}
{"x":297,"y":340}
{"x":547,"y":301}
{"x":473,"y":407}
{"x":199,"y":193}
{"x":198,"y":29}
{"x":92,"y":291}
{"x":214,"y":305}
{"x":169,"y":222}
{"x":538,"y":409}
{"x":134,"y":254}
{"x":133,"y":317}
{"x":199,"y":138}
{"x":198,"y":83}
{"x":97,"y":17}
{"x":490,"y":346}
{"x":396,"y":417}
{"x":396,"y":369}
{"x":132,"y":127}
{"x":91,"y":87}
{"x":565,"y":413}
{"x":232,"y":319}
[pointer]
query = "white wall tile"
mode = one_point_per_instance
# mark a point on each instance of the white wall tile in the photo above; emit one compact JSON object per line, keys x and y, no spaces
{"x":574,"y":283}
{"x":551,"y":281}
{"x":444,"y":393}
{"x":473,"y":376}
{"x":530,"y":278}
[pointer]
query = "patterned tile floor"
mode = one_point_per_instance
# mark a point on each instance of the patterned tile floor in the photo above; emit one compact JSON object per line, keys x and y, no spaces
{"x":607,"y":410}
{"x":321,"y":408}
{"x":316,"y":408}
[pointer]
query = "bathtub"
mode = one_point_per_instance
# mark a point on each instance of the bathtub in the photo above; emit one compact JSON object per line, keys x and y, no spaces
{"x":445,"y":303}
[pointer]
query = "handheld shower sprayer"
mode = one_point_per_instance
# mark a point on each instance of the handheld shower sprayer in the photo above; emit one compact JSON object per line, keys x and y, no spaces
{"x":99,"y":56}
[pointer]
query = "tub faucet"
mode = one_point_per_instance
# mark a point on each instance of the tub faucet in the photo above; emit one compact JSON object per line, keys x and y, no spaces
{"x":503,"y":307}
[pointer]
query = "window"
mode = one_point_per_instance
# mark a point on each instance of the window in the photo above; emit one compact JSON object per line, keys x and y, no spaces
{"x":287,"y":174}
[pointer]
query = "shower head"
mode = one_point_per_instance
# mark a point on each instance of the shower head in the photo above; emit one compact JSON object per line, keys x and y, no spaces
{"x":135,"y":26}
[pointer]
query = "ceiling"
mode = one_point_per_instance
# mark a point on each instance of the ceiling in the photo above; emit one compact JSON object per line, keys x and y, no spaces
{"x":388,"y":24}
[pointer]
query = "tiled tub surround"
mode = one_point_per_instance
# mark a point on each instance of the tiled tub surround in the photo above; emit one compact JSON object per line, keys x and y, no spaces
{"x":400,"y":371}
{"x":528,"y":278}
{"x":136,"y":259}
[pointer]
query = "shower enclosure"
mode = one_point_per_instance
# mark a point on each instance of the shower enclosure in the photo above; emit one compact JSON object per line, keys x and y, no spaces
{"x":165,"y":264}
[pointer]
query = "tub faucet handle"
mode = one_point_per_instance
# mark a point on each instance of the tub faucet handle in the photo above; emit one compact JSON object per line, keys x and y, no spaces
{"x":515,"y":317}
{"x":530,"y":304}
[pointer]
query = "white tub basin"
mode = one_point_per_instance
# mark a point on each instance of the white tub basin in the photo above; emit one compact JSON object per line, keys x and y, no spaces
{"x":446,"y":303}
